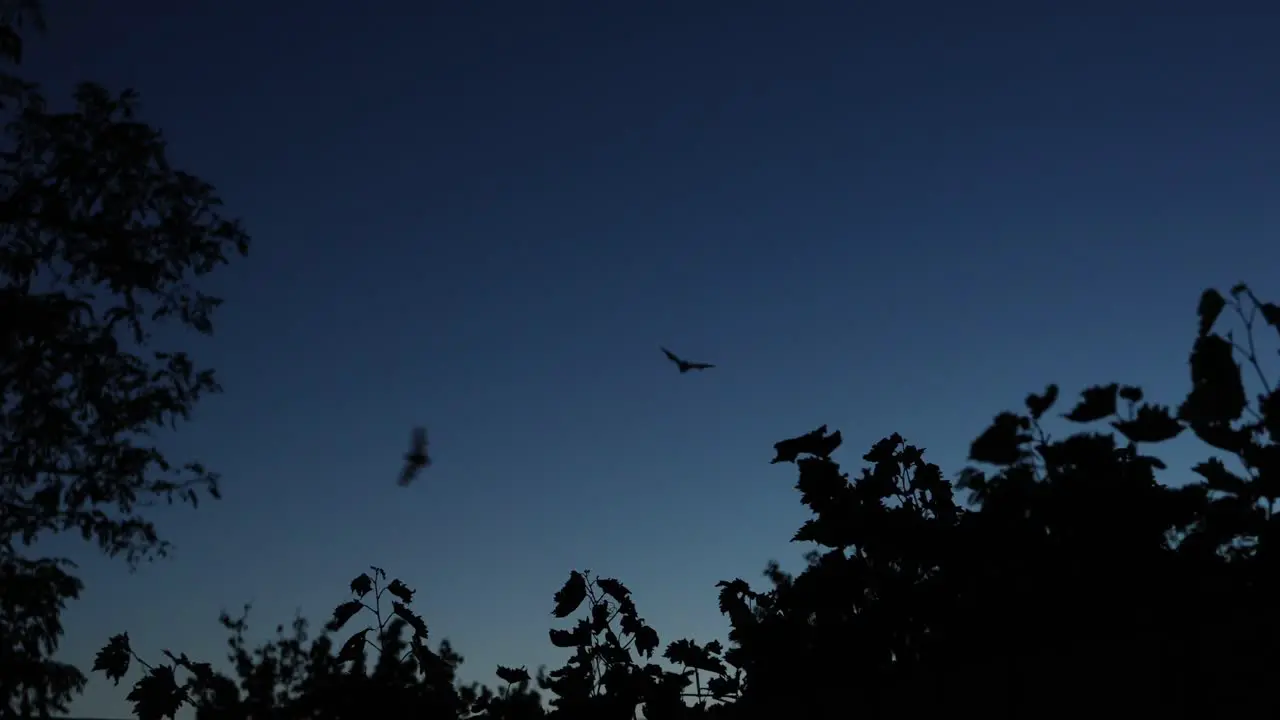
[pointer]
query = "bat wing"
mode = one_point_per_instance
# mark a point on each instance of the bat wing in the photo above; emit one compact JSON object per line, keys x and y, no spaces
{"x":671,"y":356}
{"x":700,"y":366}
{"x":407,"y":474}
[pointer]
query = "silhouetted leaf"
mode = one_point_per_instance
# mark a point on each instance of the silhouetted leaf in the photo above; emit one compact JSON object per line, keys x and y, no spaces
{"x":414,"y":620}
{"x":1218,"y":477}
{"x":401,"y":591}
{"x":1269,"y":409}
{"x":343,"y":613}
{"x":202,"y":671}
{"x":689,"y":654}
{"x":1217,"y":391}
{"x":513,"y":675}
{"x":613,"y":588}
{"x":353,"y":648}
{"x":1131,"y":393}
{"x":815,"y":442}
{"x":570,"y":595}
{"x":564,"y":638}
{"x":721,"y":686}
{"x":362,"y":585}
{"x":820,"y":483}
{"x":1096,"y":403}
{"x":113,"y":659}
{"x":1211,"y":304}
{"x":1152,"y":424}
{"x":1151,"y":462}
{"x":157,"y":695}
{"x":1271,"y":313}
{"x":646,"y":640}
{"x":599,"y":617}
{"x":1001,"y":444}
{"x":1038,"y":405}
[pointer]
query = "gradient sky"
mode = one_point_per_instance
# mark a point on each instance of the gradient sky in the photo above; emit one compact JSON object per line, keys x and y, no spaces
{"x":486,"y":216}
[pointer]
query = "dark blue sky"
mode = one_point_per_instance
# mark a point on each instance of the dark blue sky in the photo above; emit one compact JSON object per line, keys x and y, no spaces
{"x":486,"y":216}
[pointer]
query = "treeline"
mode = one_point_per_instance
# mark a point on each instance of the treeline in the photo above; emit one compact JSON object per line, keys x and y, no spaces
{"x":1072,"y":582}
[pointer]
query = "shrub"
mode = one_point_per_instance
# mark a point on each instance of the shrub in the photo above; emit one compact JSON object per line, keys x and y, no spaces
{"x":1071,"y":582}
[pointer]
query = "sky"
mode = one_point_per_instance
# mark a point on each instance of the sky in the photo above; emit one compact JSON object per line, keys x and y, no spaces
{"x":486,"y":216}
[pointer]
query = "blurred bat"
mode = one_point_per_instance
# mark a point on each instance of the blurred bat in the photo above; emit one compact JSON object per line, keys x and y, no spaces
{"x":684,"y":365}
{"x":416,"y":459}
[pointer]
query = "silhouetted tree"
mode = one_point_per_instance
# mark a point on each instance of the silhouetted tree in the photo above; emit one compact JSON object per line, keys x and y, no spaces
{"x":102,"y":241}
{"x":1072,"y":582}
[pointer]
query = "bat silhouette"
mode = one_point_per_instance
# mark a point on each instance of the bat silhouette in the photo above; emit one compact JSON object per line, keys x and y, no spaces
{"x":815,"y":442}
{"x":684,"y":365}
{"x":416,"y":459}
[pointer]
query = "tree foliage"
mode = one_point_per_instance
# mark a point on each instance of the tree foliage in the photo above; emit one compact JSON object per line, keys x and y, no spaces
{"x":102,"y":242}
{"x":1071,"y":581}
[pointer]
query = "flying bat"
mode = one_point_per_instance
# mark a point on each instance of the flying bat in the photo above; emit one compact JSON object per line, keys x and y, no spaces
{"x":815,"y":442}
{"x":684,"y":365}
{"x":416,"y":459}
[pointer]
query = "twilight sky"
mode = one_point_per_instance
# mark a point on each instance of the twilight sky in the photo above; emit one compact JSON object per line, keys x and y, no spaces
{"x":486,"y":216}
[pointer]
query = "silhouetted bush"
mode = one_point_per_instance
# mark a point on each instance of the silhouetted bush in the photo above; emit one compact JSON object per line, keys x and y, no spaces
{"x":1072,"y":583}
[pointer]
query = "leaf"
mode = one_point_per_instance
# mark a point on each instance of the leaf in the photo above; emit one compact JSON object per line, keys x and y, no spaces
{"x":971,"y":479}
{"x":343,"y":613}
{"x":1269,"y":409}
{"x":564,"y":638}
{"x":689,"y":654}
{"x":202,"y":671}
{"x":113,"y":659}
{"x":721,"y":687}
{"x":431,"y":663}
{"x":570,"y":595}
{"x":1131,"y":393}
{"x":157,"y":695}
{"x":600,"y":616}
{"x":630,"y":623}
{"x":816,"y":442}
{"x":1211,"y":305}
{"x":823,"y":532}
{"x":353,"y":648}
{"x":1038,"y":405}
{"x":646,"y":640}
{"x":1096,"y":403}
{"x":1217,"y":390}
{"x":513,"y":675}
{"x":1271,"y":313}
{"x":414,"y":620}
{"x":613,"y":588}
{"x":401,"y":591}
{"x":1149,"y":461}
{"x":1001,"y":443}
{"x":820,"y":483}
{"x":1151,"y":424}
{"x":362,"y":585}
{"x":1218,"y":477}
